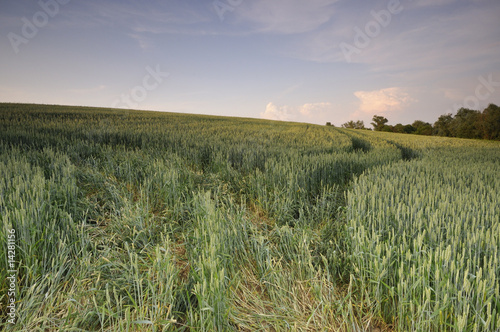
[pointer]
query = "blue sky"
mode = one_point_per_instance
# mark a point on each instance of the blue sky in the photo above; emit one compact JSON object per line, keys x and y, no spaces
{"x":308,"y":61}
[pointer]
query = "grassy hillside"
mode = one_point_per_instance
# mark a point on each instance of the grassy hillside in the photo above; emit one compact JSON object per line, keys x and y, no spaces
{"x":147,"y":221}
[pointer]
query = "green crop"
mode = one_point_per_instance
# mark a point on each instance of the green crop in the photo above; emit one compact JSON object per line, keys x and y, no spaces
{"x":148,"y":221}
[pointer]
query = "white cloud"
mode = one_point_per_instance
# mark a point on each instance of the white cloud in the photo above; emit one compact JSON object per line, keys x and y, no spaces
{"x":314,"y":109}
{"x":274,"y":112}
{"x":309,"y":112}
{"x":384,"y":100}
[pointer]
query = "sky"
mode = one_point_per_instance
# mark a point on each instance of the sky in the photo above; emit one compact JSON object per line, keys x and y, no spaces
{"x":313,"y":61}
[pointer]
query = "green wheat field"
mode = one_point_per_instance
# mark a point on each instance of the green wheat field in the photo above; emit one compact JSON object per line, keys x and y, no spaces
{"x":149,"y":221}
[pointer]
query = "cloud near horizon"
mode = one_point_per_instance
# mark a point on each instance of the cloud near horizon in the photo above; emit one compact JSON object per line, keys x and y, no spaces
{"x":314,"y":109}
{"x":274,"y":112}
{"x":288,"y":113}
{"x":384,"y":100}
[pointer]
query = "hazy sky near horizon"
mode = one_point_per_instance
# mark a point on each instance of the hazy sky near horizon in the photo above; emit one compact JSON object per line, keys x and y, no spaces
{"x":296,"y":60}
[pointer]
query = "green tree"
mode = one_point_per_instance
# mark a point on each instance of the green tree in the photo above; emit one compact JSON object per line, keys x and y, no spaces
{"x":422,"y":128}
{"x":466,"y":124}
{"x":387,"y":128}
{"x":354,"y":124}
{"x":491,"y":122}
{"x":399,"y":128}
{"x":442,"y":127}
{"x":409,"y":129}
{"x":378,"y":122}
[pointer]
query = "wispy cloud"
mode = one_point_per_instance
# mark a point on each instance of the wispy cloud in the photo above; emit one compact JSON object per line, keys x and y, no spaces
{"x":137,"y":14}
{"x":418,"y":39}
{"x":157,"y":18}
{"x":284,"y":16}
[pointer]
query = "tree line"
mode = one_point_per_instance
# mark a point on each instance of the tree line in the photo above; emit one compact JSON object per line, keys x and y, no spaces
{"x":466,"y":123}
